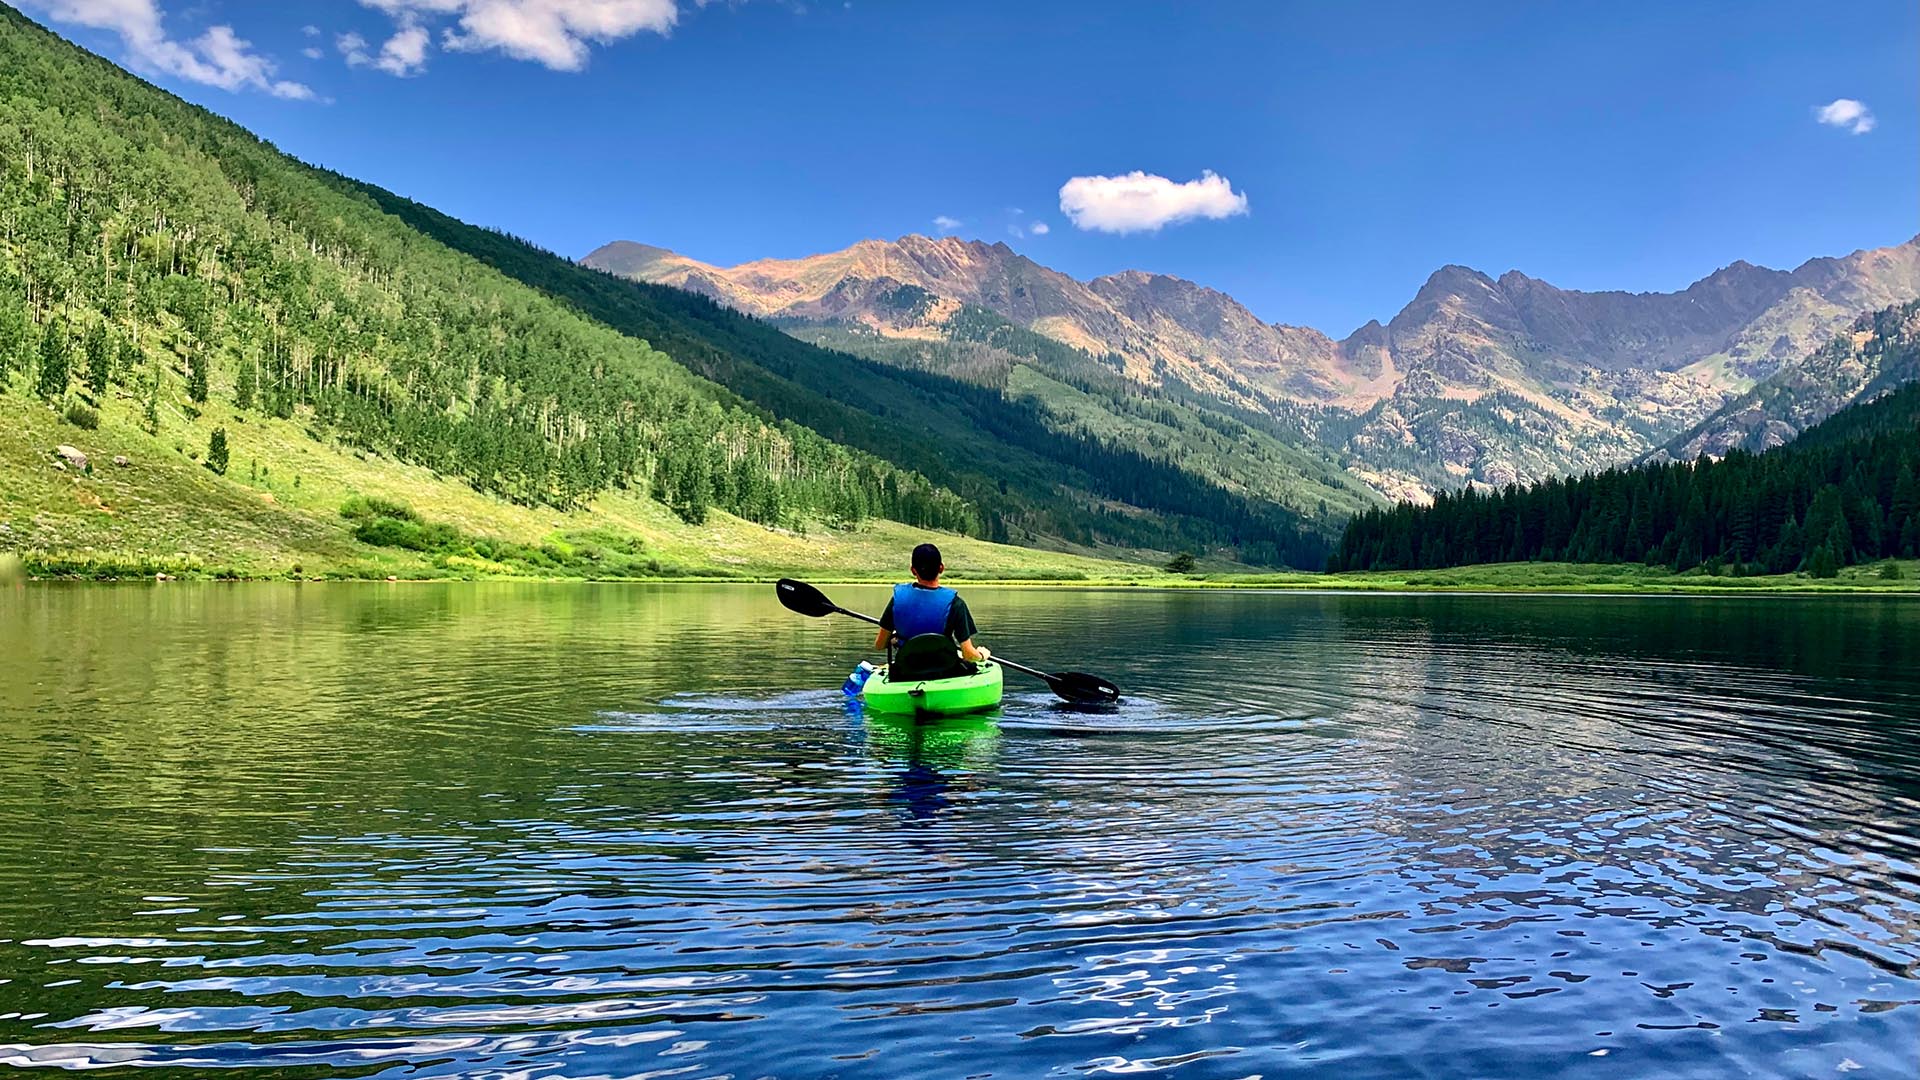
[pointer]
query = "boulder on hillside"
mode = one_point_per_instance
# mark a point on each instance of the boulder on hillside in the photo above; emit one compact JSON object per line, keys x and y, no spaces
{"x":72,"y":456}
{"x":121,"y":460}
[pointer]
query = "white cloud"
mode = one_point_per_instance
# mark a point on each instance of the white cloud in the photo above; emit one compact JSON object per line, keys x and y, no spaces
{"x":310,"y":30}
{"x":1143,"y":202}
{"x":1040,"y":228}
{"x":1846,"y":113}
{"x":405,"y":53}
{"x":312,"y":52}
{"x":354,"y":48}
{"x":947,"y":224}
{"x":557,"y":33}
{"x":219,"y":57}
{"x":1016,"y":232}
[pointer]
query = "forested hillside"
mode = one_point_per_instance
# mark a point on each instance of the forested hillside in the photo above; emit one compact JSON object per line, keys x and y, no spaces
{"x":153,"y":253}
{"x":1262,"y":453}
{"x":1846,"y":491}
{"x":1034,"y":476}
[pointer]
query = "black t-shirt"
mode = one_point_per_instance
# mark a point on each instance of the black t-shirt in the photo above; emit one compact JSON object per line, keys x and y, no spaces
{"x":959,"y":620}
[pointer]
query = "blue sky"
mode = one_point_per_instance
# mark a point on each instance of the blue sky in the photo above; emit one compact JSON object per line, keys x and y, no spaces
{"x":1353,"y":148}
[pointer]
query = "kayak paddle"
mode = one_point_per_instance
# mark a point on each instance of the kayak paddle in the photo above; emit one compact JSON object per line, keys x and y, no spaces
{"x":1077,"y":687}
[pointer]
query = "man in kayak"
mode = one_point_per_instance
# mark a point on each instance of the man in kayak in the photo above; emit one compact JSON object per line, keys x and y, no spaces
{"x":924,"y":606}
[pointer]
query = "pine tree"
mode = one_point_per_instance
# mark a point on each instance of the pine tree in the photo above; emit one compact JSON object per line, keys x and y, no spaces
{"x":129,"y":359}
{"x":99,"y":360}
{"x":1904,"y":507}
{"x":150,"y":413}
{"x":1822,"y":564}
{"x":197,"y":377}
{"x":217,"y":451}
{"x":1839,"y":542}
{"x":51,"y":381}
{"x":696,"y":490}
{"x":15,"y":332}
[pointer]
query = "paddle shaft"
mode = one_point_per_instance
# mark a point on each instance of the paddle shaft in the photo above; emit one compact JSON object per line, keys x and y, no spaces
{"x":1074,"y":686}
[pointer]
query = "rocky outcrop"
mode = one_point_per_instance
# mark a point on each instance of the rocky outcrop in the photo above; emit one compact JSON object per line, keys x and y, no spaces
{"x":1876,"y":353}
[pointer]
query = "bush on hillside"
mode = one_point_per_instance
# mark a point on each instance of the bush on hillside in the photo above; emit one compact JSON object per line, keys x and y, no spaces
{"x":364,"y":507}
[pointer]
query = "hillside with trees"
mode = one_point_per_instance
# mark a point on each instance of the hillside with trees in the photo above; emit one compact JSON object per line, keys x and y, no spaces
{"x":1844,"y":492}
{"x":151,"y":251}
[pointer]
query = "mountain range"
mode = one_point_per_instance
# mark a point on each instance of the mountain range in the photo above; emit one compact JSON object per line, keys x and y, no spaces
{"x":1477,"y":379}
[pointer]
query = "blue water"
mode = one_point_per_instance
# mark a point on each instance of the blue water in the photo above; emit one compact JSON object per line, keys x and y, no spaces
{"x":596,"y":832}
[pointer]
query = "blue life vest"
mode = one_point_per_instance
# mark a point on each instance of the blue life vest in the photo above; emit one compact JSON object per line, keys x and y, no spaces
{"x":919,"y":611}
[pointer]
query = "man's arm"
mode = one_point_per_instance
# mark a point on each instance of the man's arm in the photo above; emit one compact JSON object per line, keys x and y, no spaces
{"x":885,"y":635}
{"x":960,"y":628}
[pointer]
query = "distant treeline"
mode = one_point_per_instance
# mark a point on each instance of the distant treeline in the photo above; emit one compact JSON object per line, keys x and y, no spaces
{"x":1844,"y":492}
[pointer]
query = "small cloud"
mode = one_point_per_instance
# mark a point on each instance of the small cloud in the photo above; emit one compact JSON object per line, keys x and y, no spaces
{"x":310,"y":30}
{"x":219,"y":57}
{"x":1143,"y":202}
{"x":946,"y":224}
{"x":1846,"y":113}
{"x":1016,"y":232}
{"x":405,"y":53}
{"x":354,"y":48}
{"x":1040,"y":228}
{"x":312,"y":52}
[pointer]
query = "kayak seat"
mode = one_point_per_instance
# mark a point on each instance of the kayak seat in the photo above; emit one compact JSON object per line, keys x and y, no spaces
{"x":927,"y":656}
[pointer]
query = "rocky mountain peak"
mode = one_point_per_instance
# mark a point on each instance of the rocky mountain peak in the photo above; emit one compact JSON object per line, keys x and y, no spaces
{"x":630,"y":258}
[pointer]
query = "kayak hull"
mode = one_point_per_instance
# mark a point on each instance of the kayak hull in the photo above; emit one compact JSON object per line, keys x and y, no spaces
{"x":957,"y":696}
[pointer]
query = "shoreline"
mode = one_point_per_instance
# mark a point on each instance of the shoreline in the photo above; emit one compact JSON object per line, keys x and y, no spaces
{"x":1490,"y":580}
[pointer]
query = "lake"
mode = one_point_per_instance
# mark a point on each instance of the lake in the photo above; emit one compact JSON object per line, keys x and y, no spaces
{"x":550,"y":831}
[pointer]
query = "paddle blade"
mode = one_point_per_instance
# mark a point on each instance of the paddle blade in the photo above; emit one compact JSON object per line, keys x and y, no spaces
{"x":803,"y":598}
{"x":1083,"y":689}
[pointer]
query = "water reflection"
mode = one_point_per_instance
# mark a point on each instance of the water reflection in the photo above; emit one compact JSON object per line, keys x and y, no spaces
{"x":931,"y":759}
{"x":568,"y":832}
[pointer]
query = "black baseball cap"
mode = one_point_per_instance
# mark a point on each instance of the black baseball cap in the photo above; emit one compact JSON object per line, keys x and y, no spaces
{"x":926,"y":562}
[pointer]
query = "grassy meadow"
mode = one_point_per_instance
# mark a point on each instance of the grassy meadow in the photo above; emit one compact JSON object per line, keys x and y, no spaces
{"x":277,"y":513}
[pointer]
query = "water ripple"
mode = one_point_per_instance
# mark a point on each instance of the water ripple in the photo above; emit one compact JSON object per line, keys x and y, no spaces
{"x":1370,"y":836}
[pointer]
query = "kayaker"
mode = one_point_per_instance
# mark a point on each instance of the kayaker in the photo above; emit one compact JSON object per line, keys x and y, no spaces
{"x":924,"y":606}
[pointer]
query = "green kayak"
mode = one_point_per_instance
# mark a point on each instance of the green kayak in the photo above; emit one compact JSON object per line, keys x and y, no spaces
{"x":935,"y":697}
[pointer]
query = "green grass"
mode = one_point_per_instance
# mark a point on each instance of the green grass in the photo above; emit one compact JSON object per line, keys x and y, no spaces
{"x":277,"y":513}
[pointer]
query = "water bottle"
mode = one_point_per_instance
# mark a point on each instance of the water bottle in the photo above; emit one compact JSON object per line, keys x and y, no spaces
{"x":858,"y":679}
